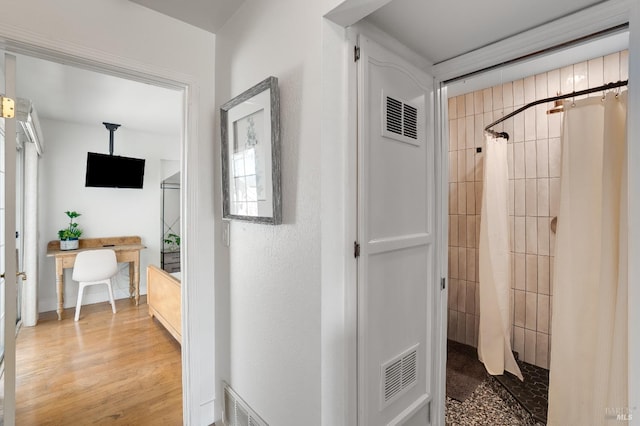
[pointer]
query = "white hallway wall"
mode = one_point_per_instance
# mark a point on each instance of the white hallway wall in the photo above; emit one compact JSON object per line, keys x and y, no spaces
{"x":126,"y":35}
{"x":106,"y":212}
{"x":273,"y":295}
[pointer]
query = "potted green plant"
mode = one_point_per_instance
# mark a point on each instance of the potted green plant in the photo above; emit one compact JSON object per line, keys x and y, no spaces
{"x":69,"y":236}
{"x":172,"y":242}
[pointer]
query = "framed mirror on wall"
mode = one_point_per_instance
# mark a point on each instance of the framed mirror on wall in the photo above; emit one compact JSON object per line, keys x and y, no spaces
{"x":250,"y":125}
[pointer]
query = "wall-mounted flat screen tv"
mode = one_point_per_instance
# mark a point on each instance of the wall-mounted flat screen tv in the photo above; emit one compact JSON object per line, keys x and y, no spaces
{"x":112,"y":171}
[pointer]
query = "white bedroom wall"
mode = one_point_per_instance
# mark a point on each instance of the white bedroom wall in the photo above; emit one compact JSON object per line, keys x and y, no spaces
{"x":274,"y":283}
{"x":127,"y":36}
{"x":106,"y":212}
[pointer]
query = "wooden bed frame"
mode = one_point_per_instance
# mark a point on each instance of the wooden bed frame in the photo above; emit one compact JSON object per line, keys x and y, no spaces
{"x":163,"y":297}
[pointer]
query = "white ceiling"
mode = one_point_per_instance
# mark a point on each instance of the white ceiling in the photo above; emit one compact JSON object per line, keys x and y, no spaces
{"x":436,"y":29}
{"x":66,"y":93}
{"x":209,"y":15}
{"x":443,"y":29}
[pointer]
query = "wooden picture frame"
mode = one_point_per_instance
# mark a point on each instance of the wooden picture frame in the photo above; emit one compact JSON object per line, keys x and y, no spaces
{"x":250,"y":126}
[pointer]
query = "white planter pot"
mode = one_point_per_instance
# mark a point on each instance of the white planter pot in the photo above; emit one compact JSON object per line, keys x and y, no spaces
{"x":68,"y":244}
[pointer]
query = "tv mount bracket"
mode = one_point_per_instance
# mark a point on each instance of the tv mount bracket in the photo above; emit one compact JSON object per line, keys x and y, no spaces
{"x":111,"y":127}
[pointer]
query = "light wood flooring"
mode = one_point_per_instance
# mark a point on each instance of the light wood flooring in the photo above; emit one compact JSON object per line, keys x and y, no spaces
{"x":104,"y":369}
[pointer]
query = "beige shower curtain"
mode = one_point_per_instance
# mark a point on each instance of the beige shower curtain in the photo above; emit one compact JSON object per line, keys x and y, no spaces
{"x":494,"y":338}
{"x":588,"y":370}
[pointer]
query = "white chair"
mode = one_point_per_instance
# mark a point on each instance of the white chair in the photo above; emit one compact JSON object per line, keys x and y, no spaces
{"x":94,"y":267}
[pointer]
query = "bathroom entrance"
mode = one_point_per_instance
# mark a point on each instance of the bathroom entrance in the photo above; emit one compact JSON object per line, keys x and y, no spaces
{"x":534,"y":171}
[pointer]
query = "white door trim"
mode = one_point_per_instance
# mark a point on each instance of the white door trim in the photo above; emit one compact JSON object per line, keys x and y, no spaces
{"x":17,"y":40}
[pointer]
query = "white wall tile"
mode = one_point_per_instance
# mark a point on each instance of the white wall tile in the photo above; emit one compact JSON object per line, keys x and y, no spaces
{"x":470,"y":154}
{"x":478,"y":132}
{"x":471,"y":298}
{"x":462,"y":135}
{"x":462,"y":196}
{"x":529,"y":124}
{"x":531,"y":273}
{"x":478,"y":102}
{"x":612,"y":67}
{"x":554,"y":197}
{"x":543,"y":197}
{"x":530,"y":346}
{"x":531,"y":197}
{"x":530,"y":159}
{"x":542,"y":158}
{"x":453,"y":134}
{"x":453,"y":264}
{"x":472,"y":264}
{"x":519,"y":197}
{"x":461,"y":333}
{"x":519,"y":225}
{"x":487,"y":98}
{"x":543,"y":275}
{"x":554,"y":157}
{"x":518,"y":128}
{"x":531,"y":224}
{"x":542,"y":122}
{"x":462,"y":268}
{"x":596,"y":73}
{"x":531,"y":314}
{"x":453,"y":166}
{"x":453,"y":294}
{"x":460,"y":104}
{"x":553,"y":83}
{"x":471,"y":232}
{"x":544,"y":225}
{"x":518,"y":93}
{"x":453,"y":198}
{"x":469,"y":128}
{"x":452,"y":108}
{"x":497,"y":97}
{"x":518,"y":160}
{"x":566,"y":79}
{"x":479,"y":167}
{"x":543,"y":313}
{"x":453,"y":230}
{"x":518,"y":341}
{"x":470,"y":330}
{"x":469,"y":104}
{"x":542,"y":350}
{"x":624,"y":65}
{"x":520,"y":306}
{"x":507,"y":95}
{"x":478,"y":190}
{"x":529,"y":89}
{"x":520,"y":271}
{"x":462,"y":294}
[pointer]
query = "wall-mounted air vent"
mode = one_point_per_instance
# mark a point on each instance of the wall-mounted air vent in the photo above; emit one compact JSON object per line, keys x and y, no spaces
{"x":398,"y":375}
{"x":237,"y":412}
{"x":399,"y":120}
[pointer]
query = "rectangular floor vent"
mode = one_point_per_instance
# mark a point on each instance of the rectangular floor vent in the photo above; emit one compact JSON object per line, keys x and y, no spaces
{"x":398,"y":375}
{"x":237,"y":412}
{"x":399,"y":120}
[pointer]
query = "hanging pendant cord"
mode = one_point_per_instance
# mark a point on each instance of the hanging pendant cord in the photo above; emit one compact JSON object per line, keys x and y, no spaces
{"x":505,"y":135}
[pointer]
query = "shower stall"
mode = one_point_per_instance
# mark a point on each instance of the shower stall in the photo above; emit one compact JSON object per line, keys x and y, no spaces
{"x":534,"y":166}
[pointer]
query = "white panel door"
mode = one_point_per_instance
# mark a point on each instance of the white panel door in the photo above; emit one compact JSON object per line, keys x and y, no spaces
{"x":8,"y":245}
{"x":397,"y":281}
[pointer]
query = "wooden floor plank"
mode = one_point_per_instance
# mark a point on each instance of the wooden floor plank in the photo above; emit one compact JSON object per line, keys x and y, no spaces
{"x":104,"y":369}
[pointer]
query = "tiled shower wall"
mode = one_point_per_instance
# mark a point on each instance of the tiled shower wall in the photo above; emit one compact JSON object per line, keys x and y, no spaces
{"x":534,"y":190}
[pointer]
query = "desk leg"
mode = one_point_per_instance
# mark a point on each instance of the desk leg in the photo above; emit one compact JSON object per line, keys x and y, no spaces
{"x":60,"y":287}
{"x":134,"y":284}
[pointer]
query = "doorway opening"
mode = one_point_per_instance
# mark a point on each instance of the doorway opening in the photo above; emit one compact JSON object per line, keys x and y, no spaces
{"x":72,"y":126}
{"x":534,"y":172}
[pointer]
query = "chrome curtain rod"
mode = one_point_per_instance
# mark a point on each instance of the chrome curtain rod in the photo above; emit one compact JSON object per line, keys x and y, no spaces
{"x":505,"y":135}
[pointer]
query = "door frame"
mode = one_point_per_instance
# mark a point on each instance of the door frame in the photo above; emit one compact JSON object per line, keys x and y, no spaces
{"x":92,"y":60}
